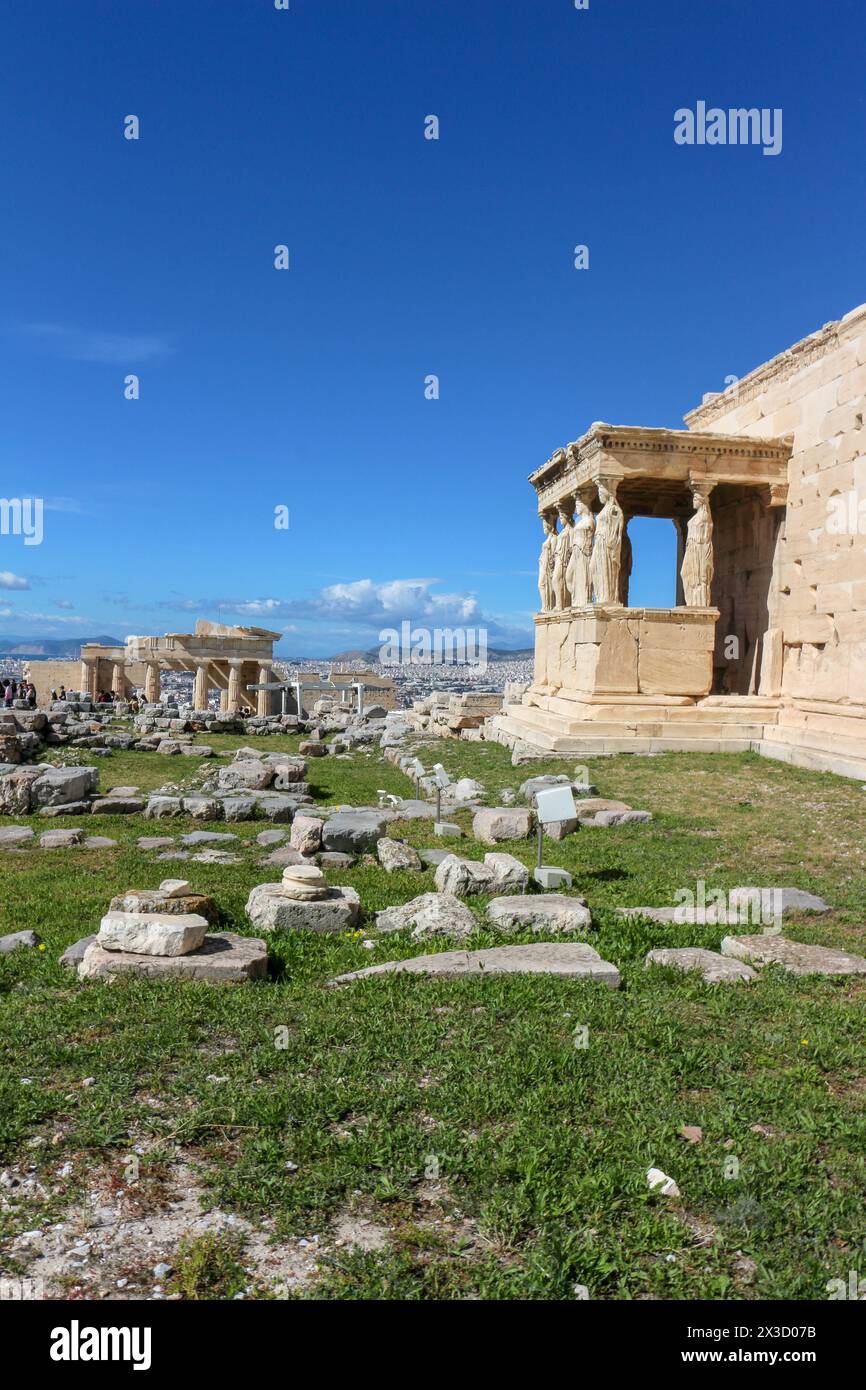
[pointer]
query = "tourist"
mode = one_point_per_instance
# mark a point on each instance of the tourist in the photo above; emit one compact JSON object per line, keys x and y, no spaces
{"x":8,"y":696}
{"x":63,"y":692}
{"x":32,"y":698}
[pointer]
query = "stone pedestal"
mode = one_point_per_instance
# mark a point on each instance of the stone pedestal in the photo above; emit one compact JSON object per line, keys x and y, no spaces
{"x":605,"y":649}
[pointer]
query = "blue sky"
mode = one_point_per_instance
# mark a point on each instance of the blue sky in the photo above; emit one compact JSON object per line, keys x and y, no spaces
{"x":408,"y":257}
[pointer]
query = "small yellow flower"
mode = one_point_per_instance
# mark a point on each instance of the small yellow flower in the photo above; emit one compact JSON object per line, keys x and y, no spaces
{"x":42,"y":946}
{"x":804,"y":1042}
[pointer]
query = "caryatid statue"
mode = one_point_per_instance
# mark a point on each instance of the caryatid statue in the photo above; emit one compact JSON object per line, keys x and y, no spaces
{"x":578,"y":575}
{"x":606,"y":552}
{"x":545,"y":561}
{"x":697,"y":567}
{"x":562,"y":555}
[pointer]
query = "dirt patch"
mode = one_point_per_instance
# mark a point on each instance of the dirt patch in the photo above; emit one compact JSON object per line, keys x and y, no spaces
{"x":108,"y":1246}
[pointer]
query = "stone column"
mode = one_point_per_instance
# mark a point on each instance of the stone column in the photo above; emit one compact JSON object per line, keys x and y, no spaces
{"x":233,"y":700}
{"x":87,"y":679}
{"x":152,"y":683}
{"x":200,"y":690}
{"x":118,"y":679}
{"x":263,"y":702}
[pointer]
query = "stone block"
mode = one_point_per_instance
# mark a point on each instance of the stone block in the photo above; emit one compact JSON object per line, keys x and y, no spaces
{"x":269,"y":908}
{"x":152,"y":933}
{"x":572,"y":959}
{"x":541,"y":912}
{"x":223,"y":958}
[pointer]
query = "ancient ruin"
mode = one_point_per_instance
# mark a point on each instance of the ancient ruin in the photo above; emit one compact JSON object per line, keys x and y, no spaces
{"x":765,"y":648}
{"x":236,"y":661}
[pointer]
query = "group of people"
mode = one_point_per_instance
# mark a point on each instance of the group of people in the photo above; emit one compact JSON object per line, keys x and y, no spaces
{"x":17,"y":690}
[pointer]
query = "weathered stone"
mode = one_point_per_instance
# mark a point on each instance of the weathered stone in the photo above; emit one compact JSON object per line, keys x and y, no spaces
{"x":98,"y":842}
{"x":18,"y":939}
{"x":714,"y":968}
{"x":590,"y":806}
{"x":785,"y":901}
{"x":11,"y":836}
{"x":155,"y":841}
{"x":162,"y":807}
{"x":237,"y":808}
{"x":223,"y":958}
{"x":57,"y":785}
{"x":413,"y":809}
{"x":68,"y":808}
{"x":334,"y":859}
{"x":271,"y":837}
{"x":176,"y":888}
{"x":284,"y":855}
{"x":494,"y":825}
{"x":208,"y":837}
{"x":203,"y":807}
{"x":541,"y":912}
{"x":151,"y":933}
{"x":269,"y":908}
{"x":154,"y":900}
{"x":611,"y":818}
{"x":500,"y":873}
{"x":247,"y":774}
{"x":541,"y":958}
{"x":117,"y":806}
{"x":796,"y":957}
{"x":353,"y":832}
{"x":306,"y":836}
{"x":312,"y":749}
{"x":394,"y":856}
{"x":74,"y":954}
{"x":60,"y":839}
{"x":532,"y":785}
{"x":430,"y":915}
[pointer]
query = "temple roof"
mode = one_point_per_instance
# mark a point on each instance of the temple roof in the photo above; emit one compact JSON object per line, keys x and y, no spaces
{"x":655,"y":468}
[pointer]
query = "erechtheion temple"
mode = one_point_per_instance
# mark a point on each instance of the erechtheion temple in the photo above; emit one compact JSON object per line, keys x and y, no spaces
{"x":231,"y":660}
{"x":765,"y":648}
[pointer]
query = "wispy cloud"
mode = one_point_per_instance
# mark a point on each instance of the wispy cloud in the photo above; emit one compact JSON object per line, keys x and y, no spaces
{"x":8,"y":580}
{"x":63,"y":603}
{"x":89,"y":345}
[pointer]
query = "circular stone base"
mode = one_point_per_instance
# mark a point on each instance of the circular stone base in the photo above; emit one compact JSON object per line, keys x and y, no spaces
{"x":269,"y":909}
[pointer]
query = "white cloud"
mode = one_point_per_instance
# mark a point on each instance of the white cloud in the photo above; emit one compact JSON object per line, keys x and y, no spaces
{"x":87,"y":345}
{"x":8,"y":580}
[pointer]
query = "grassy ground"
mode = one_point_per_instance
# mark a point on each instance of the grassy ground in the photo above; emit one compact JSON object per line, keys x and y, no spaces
{"x":489,"y":1155}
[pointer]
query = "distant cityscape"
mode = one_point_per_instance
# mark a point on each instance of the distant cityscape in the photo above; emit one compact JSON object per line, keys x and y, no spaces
{"x":411,"y":681}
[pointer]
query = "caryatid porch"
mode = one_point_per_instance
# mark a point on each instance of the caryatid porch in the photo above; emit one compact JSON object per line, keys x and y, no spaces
{"x":596,"y":657}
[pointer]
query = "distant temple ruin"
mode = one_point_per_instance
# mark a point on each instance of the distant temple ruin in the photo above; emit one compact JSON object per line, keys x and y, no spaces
{"x":228,"y":659}
{"x":765,"y":648}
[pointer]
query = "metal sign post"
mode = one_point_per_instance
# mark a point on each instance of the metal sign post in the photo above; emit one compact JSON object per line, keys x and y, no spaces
{"x":551,"y":806}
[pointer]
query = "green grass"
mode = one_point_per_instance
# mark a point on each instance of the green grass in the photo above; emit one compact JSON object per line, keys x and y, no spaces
{"x":541,"y":1147}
